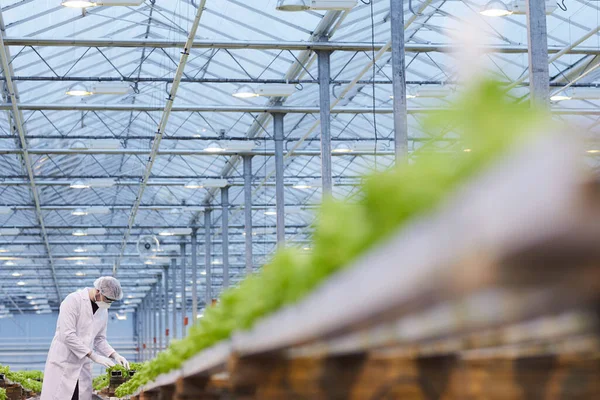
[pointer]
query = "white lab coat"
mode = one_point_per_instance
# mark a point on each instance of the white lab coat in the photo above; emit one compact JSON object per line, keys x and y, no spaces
{"x":78,"y":332}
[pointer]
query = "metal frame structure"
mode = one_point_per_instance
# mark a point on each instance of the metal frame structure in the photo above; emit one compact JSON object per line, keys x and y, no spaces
{"x":182,"y":61}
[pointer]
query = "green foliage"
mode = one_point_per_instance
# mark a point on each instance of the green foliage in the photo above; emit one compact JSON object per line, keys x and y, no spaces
{"x":486,"y":122}
{"x":3,"y":394}
{"x":100,"y":382}
{"x":103,"y":381}
{"x":30,"y":380}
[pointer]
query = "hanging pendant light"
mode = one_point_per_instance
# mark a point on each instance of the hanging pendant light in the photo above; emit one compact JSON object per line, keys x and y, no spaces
{"x":244,"y":92}
{"x":78,"y":3}
{"x":78,"y":89}
{"x":214,"y":147}
{"x":293,"y":5}
{"x":495,"y":8}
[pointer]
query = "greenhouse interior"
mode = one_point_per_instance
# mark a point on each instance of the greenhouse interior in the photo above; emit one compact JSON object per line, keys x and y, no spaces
{"x":300,"y":199}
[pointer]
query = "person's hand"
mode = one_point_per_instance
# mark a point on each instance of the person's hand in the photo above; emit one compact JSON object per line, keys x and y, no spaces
{"x":105,"y":361}
{"x":120,"y":360}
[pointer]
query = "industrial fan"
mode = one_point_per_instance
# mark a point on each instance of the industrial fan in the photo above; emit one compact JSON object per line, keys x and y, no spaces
{"x":148,"y":246}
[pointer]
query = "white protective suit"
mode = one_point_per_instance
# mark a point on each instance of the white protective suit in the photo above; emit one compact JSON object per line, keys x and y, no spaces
{"x":78,"y":332}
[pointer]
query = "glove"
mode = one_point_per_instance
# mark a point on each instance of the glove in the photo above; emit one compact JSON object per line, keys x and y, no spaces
{"x":120,"y":360}
{"x":105,"y":361}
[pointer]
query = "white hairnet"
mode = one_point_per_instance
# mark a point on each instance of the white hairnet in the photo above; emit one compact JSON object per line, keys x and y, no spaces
{"x":109,"y":287}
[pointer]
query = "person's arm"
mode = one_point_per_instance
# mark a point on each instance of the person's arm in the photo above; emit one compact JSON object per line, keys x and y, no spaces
{"x":67,"y":321}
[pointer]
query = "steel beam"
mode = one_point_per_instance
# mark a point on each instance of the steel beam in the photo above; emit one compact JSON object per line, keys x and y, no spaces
{"x":203,"y":108}
{"x":279,"y":177}
{"x":182,"y":152}
{"x":194,"y":245}
{"x":7,"y":69}
{"x":162,"y":125}
{"x":234,"y":109}
{"x":225,"y":234}
{"x":207,"y":258}
{"x":183,"y":294}
{"x":174,"y":279}
{"x":399,"y":79}
{"x":275,"y":45}
{"x":248,"y":211}
{"x":538,"y":52}
{"x":325,"y":114}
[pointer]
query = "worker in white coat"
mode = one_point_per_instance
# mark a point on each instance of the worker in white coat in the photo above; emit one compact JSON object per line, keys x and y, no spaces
{"x":80,"y":338}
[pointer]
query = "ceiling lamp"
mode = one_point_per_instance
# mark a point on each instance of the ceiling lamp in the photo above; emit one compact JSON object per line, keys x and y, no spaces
{"x":9,"y":231}
{"x":112,"y":88}
{"x":332,"y":4}
{"x":342,"y":148}
{"x":560,"y":97}
{"x":214,"y":147}
{"x":79,"y":185}
{"x":276,"y":90}
{"x":79,"y":273}
{"x":193,"y":185}
{"x":495,"y":8}
{"x":293,"y":5}
{"x":520,"y":7}
{"x":433,"y":91}
{"x":79,"y":212}
{"x":21,"y":283}
{"x":77,"y":3}
{"x":80,"y":250}
{"x":166,"y":233}
{"x":79,"y":89}
{"x":302,"y":185}
{"x":270,"y":211}
{"x":79,"y":232}
{"x":244,"y":92}
{"x":409,"y":95}
{"x":16,"y":274}
{"x":576,"y":93}
{"x":5,"y":210}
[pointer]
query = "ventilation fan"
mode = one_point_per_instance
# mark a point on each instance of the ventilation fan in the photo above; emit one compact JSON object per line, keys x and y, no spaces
{"x":148,"y":246}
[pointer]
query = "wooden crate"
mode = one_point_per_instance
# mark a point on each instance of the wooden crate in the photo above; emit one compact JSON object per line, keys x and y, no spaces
{"x":14,"y":392}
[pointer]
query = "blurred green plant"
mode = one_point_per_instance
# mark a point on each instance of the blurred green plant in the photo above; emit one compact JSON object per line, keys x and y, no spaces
{"x":486,"y":121}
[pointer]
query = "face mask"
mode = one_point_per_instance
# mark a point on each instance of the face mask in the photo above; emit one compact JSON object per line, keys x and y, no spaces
{"x":101,"y":304}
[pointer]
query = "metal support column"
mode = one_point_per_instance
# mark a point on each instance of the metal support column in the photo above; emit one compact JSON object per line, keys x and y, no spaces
{"x":225,"y":234}
{"x":183,"y":296}
{"x":174,"y":297}
{"x":138,"y":332}
{"x":159,"y":314}
{"x":147,"y":329}
{"x":154,"y":322}
{"x":279,"y":173}
{"x":399,"y":79}
{"x":194,"y":275}
{"x":325,"y":111}
{"x":207,"y":259}
{"x":538,"y":52}
{"x":166,"y":305}
{"x":248,"y":211}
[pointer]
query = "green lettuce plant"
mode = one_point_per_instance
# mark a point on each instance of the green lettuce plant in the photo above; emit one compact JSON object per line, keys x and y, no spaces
{"x":486,"y":122}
